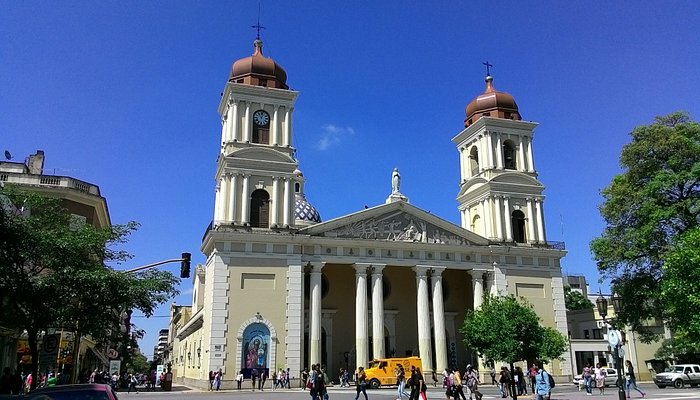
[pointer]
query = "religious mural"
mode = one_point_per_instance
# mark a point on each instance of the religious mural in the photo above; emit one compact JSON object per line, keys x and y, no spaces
{"x":256,"y":342}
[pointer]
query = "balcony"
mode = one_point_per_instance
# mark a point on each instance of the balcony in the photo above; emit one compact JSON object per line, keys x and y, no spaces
{"x":49,"y":181}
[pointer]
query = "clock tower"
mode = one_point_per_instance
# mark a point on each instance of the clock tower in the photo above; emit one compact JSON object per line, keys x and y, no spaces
{"x":500,"y":197}
{"x":255,"y":174}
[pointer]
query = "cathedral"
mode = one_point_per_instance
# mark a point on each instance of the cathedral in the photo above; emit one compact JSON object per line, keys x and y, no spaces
{"x":282,"y":289}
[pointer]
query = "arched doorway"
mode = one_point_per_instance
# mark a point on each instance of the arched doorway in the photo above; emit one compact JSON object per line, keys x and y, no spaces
{"x":260,"y":209}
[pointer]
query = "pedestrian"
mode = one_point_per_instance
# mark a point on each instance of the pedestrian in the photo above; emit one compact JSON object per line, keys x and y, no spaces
{"x":587,"y":378}
{"x":211,"y":380}
{"x":600,"y":374}
{"x":435,"y":379}
{"x":263,"y":379}
{"x":458,"y":390}
{"x":304,"y":379}
{"x":254,"y":377}
{"x":320,"y":385}
{"x":631,"y":380}
{"x":472,"y":378}
{"x":401,"y":382}
{"x":274,"y":379}
{"x":413,"y":385}
{"x":217,"y":379}
{"x":420,"y":381}
{"x":493,"y":376}
{"x":361,"y":382}
{"x":542,"y":386}
{"x":132,"y":383}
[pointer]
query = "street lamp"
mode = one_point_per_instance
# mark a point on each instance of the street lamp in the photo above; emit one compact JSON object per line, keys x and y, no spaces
{"x":615,"y":338}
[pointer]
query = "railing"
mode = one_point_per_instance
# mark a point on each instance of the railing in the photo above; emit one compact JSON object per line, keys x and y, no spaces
{"x":50,"y":180}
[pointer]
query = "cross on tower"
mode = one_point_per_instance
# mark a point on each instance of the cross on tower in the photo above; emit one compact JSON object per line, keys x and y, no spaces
{"x":488,"y":68}
{"x":258,"y":26}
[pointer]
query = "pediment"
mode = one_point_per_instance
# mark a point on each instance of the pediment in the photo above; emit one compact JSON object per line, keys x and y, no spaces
{"x":261,"y":154}
{"x":399,"y":221}
{"x":515,"y":178}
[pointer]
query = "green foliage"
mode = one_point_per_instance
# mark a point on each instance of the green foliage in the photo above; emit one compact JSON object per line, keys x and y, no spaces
{"x":575,"y":300}
{"x":504,"y":329}
{"x":680,"y":288}
{"x":138,"y":364}
{"x":58,"y":275}
{"x":678,"y":349}
{"x":646,"y":208}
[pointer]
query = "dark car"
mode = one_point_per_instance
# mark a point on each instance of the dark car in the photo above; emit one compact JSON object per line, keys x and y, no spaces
{"x":88,"y":391}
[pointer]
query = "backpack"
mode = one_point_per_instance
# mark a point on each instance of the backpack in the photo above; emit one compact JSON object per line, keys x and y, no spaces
{"x":551,"y":380}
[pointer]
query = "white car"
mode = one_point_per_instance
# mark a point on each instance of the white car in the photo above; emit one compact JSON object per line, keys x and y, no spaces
{"x":610,"y":378}
{"x":679,"y":376}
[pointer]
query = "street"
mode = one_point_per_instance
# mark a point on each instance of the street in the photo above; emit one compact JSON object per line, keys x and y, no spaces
{"x":563,"y":392}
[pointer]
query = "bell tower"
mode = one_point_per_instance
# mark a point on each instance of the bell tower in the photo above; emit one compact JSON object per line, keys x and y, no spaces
{"x":500,"y":196}
{"x":256,"y":166}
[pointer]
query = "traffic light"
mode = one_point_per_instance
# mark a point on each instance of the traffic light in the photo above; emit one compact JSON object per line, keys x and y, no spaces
{"x":185,"y":265}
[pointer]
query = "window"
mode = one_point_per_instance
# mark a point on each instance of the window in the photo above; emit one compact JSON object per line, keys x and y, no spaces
{"x":474,"y":161}
{"x":586,"y":334}
{"x":597,"y":334}
{"x":518,"y":225}
{"x":297,"y":187}
{"x":509,"y":155}
{"x":259,"y":209}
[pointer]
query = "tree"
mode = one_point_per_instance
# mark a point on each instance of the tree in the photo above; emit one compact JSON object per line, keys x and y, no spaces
{"x":508,"y":330}
{"x":58,"y":275}
{"x":680,"y":289}
{"x":646,"y":209}
{"x":574,"y":300}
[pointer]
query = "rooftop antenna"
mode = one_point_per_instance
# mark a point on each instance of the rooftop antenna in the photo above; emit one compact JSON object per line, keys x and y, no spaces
{"x":488,"y":68}
{"x":258,"y":26}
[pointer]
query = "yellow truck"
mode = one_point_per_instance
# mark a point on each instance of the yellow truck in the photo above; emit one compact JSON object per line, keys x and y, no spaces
{"x":383,"y":371}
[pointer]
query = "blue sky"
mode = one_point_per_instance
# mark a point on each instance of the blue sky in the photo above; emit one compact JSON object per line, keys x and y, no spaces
{"x":124,"y":94}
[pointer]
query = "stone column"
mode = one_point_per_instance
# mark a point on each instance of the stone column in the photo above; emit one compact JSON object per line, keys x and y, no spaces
{"x":361,"y":345}
{"x":531,"y":233}
{"x":483,"y":217}
{"x":439,"y":319}
{"x":245,"y":200}
{"x":233,"y":193}
{"x":499,"y":151}
{"x":224,"y":130}
{"x":247,"y":130}
{"x":217,"y":205}
{"x":424,"y":345}
{"x":234,"y":122}
{"x":488,"y":217}
{"x":315,"y":313}
{"x":489,"y":158}
{"x":521,"y":155}
{"x":463,"y":161}
{"x":477,"y":287}
{"x":463,"y":218}
{"x":499,"y":218}
{"x":287,"y":196}
{"x":275,"y":120}
{"x":229,"y":120}
{"x":378,"y":350}
{"x":530,"y":160}
{"x":223,"y":197}
{"x":540,"y":220}
{"x":482,"y":154}
{"x":274,"y":210}
{"x":287,"y":139}
{"x":507,"y":220}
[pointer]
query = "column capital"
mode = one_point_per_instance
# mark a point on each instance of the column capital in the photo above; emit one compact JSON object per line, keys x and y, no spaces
{"x":275,"y":107}
{"x":315,"y":266}
{"x":361,"y":268}
{"x":376,"y":269}
{"x":477,"y":273}
{"x":421,"y":270}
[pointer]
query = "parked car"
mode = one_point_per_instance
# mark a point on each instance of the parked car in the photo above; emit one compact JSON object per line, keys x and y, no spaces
{"x":86,"y":391}
{"x":679,"y":376}
{"x":610,"y":378}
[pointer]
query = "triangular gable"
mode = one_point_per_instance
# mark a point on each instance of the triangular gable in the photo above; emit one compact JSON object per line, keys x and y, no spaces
{"x":398,"y":221}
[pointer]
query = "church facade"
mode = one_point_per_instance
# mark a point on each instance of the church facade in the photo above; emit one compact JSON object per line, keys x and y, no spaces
{"x":282,"y":290}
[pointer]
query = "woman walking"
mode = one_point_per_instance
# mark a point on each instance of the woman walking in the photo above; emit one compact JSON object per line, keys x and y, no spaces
{"x":631,"y":380}
{"x":587,"y":378}
{"x":600,"y":375}
{"x":361,"y":382}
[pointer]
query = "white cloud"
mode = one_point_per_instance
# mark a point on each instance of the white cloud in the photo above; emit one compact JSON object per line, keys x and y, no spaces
{"x":331,"y":135}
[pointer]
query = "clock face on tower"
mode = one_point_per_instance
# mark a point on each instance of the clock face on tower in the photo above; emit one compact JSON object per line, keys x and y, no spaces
{"x":261,"y":118}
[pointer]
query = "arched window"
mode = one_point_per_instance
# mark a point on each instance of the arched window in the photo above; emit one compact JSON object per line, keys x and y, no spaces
{"x":518,"y":223}
{"x":261,"y":127}
{"x":256,"y":347}
{"x":297,"y":187}
{"x":476,"y":226}
{"x":474,"y":161}
{"x":260,"y":209}
{"x":509,"y":155}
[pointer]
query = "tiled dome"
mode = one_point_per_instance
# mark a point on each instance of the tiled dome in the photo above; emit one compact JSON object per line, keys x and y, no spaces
{"x":304,"y":211}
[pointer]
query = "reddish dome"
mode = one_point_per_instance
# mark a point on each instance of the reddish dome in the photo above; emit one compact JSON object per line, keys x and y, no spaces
{"x":491,"y":103}
{"x":258,"y":70}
